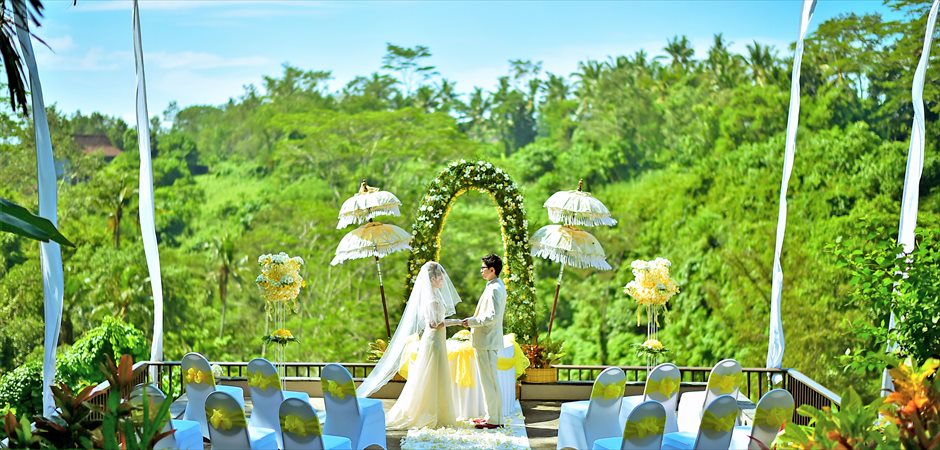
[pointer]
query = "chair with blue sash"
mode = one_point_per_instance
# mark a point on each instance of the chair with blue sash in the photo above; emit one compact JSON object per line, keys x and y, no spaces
{"x":264,"y":385}
{"x":714,"y":431}
{"x":583,"y":422}
{"x":301,"y":430}
{"x":362,"y":420}
{"x":187,"y":434}
{"x":228,"y":428}
{"x":643,"y":430}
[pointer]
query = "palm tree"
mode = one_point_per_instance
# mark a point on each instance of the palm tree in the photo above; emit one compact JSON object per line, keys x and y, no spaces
{"x":680,"y":51}
{"x":588,"y":75}
{"x":762,"y":62}
{"x":222,"y":252}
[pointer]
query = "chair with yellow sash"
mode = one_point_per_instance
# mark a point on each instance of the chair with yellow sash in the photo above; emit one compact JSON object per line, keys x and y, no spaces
{"x":583,"y":422}
{"x":199,"y":383}
{"x":301,"y":430}
{"x":714,"y":430}
{"x":643,"y":430}
{"x":774,"y":410}
{"x":228,"y":428}
{"x":662,"y":385}
{"x":724,"y":379}
{"x":264,"y":386}
{"x":360,"y":419}
{"x":511,"y":364}
{"x":187,"y":434}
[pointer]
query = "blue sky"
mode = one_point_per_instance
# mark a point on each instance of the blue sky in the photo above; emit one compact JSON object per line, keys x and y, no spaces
{"x":204,"y":52}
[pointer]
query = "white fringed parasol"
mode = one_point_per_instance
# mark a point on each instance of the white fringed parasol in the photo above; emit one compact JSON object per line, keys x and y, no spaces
{"x":578,"y":208}
{"x":374,"y":239}
{"x":568,"y":246}
{"x":367,"y":204}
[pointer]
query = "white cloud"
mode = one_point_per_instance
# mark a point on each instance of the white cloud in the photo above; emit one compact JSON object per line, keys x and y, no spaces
{"x":200,"y":60}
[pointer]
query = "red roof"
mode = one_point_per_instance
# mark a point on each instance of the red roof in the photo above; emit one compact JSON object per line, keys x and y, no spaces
{"x":96,"y":142}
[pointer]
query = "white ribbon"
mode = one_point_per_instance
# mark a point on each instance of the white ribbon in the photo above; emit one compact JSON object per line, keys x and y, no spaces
{"x":776,"y":346}
{"x":915,"y":167}
{"x":50,"y":253}
{"x":147,"y":227}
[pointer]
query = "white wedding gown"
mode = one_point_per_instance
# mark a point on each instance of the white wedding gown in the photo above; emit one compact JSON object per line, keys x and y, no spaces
{"x":427,"y":398}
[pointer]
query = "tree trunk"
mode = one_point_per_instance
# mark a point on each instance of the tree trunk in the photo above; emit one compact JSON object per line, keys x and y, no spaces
{"x":223,"y":294}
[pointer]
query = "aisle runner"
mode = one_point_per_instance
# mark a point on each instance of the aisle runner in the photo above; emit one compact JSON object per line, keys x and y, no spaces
{"x":465,"y":436}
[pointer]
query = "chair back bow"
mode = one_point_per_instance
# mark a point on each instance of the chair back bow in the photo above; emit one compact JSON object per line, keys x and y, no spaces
{"x":339,"y":390}
{"x":665,"y":387}
{"x":194,"y":375}
{"x":773,"y":417}
{"x":225,"y":420}
{"x":723,"y":384}
{"x":300,"y":426}
{"x":464,"y":375}
{"x":644,"y":428}
{"x":261,"y":381}
{"x":718,"y":424}
{"x":608,"y":391}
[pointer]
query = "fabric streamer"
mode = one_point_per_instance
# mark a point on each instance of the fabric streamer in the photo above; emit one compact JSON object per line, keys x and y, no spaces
{"x":776,"y":346}
{"x":147,"y":227}
{"x":915,"y":167}
{"x":50,"y":253}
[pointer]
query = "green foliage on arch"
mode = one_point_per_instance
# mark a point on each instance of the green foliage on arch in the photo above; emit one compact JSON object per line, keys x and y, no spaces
{"x":459,"y":177}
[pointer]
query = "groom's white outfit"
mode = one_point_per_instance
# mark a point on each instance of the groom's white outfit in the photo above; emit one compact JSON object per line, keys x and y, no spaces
{"x":486,"y":330}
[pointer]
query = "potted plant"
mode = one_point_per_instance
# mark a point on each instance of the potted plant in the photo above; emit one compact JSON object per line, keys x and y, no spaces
{"x":542,"y":357}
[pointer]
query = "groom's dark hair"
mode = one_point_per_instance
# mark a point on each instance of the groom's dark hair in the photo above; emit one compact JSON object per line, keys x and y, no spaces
{"x":494,"y":262}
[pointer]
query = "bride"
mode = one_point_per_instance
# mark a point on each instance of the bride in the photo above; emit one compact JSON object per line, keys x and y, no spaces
{"x":427,"y":398}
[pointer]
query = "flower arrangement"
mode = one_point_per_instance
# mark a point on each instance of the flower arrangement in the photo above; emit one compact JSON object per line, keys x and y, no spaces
{"x":280,"y":336}
{"x":651,"y":288}
{"x":651,"y":347}
{"x":280,"y":279}
{"x":462,"y":335}
{"x":452,"y":182}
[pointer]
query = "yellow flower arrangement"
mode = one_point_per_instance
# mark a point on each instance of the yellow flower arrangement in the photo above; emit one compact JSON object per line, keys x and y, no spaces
{"x":651,"y":347}
{"x":280,"y":279}
{"x":280,"y":336}
{"x":651,"y":287}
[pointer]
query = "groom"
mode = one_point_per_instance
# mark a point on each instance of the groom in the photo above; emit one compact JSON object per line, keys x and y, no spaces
{"x":486,"y":330}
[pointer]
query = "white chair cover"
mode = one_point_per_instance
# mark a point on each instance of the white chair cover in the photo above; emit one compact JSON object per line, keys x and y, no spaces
{"x":724,"y":379}
{"x":362,"y":420}
{"x":714,"y":431}
{"x":507,"y":378}
{"x":186,"y":433}
{"x":643,"y":430}
{"x":774,"y":410}
{"x":583,"y":422}
{"x":264,"y":386}
{"x":234,"y":433}
{"x":307,"y":440}
{"x":199,"y":389}
{"x":663,"y":379}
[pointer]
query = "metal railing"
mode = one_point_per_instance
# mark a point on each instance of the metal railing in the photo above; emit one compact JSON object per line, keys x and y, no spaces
{"x":805,"y":391}
{"x":100,"y":394}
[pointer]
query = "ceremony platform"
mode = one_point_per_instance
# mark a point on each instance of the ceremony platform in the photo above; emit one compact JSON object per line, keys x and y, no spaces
{"x":540,"y":402}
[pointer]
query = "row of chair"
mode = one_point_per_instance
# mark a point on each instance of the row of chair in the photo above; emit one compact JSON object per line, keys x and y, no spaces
{"x":279,"y":413}
{"x":706,"y":420}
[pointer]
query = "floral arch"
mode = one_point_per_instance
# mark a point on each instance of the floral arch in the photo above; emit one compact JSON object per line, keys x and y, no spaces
{"x":451,"y":183}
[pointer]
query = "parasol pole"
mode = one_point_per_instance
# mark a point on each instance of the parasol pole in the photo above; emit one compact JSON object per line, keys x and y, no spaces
{"x":561,"y":273}
{"x":378,"y":268}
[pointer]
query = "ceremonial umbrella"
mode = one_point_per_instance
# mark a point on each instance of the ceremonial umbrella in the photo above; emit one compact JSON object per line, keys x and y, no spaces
{"x":569,"y":246}
{"x":377,"y":240}
{"x":578,"y":208}
{"x":368,"y":203}
{"x":373,"y":239}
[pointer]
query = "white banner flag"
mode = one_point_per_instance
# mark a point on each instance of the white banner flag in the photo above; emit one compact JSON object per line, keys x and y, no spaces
{"x":915,"y":166}
{"x":50,"y":253}
{"x":776,"y":346}
{"x":147,"y":227}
